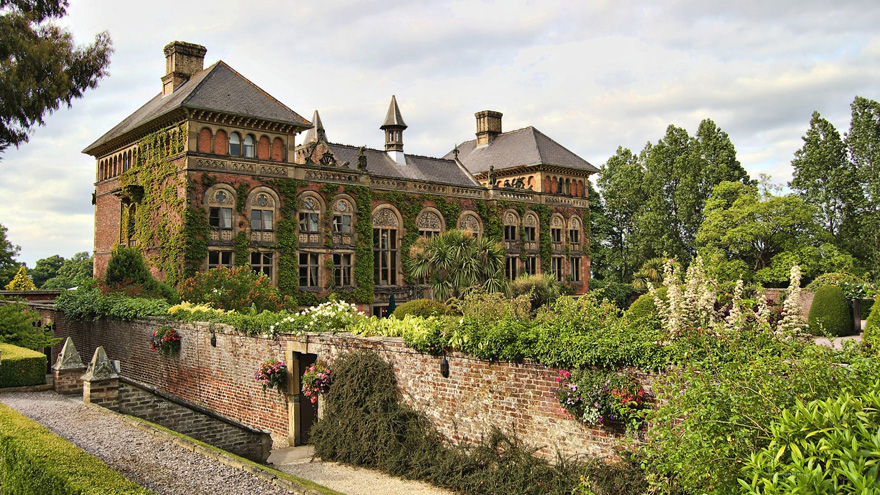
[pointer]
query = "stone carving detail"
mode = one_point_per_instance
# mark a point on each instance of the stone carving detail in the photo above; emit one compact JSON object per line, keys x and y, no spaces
{"x":330,"y":176}
{"x":262,"y":236}
{"x":309,"y":204}
{"x":531,"y":220}
{"x":243,"y":167}
{"x":100,"y":367}
{"x":557,"y":222}
{"x":342,"y":206}
{"x":361,"y":159}
{"x":469,"y":223}
{"x":574,"y":223}
{"x":388,"y":183}
{"x":211,"y":164}
{"x":429,"y":220}
{"x":68,"y":359}
{"x":263,"y":200}
{"x":273,"y":170}
{"x":221,"y":197}
{"x":510,"y":218}
{"x":221,"y":234}
{"x":327,"y":159}
{"x":385,"y":218}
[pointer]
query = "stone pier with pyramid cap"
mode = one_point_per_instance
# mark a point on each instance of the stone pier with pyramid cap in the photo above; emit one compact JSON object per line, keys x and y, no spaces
{"x":101,"y":383}
{"x":68,"y":370}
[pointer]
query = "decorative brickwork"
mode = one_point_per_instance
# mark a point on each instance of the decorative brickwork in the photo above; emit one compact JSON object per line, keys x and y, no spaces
{"x":517,"y":397}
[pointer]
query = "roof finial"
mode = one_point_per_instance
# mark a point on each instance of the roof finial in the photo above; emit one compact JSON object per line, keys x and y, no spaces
{"x":393,"y":127}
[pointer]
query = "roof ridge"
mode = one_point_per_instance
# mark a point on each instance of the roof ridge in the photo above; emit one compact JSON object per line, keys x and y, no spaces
{"x":563,"y":147}
{"x":210,"y":72}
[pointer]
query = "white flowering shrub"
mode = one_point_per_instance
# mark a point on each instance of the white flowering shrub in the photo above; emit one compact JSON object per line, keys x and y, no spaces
{"x":792,"y":322}
{"x":331,"y":316}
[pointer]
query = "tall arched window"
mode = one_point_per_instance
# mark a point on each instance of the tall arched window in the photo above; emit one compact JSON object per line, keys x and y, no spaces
{"x":574,"y":232}
{"x":343,"y":220}
{"x":530,"y":229}
{"x":386,"y":251}
{"x":310,"y":209}
{"x":511,"y":228}
{"x":249,"y":144}
{"x":557,"y":227}
{"x":468,"y":221}
{"x":235,"y":144}
{"x":262,"y":203}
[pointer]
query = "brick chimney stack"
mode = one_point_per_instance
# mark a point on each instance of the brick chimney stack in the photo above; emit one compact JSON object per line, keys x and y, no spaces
{"x":488,"y":126}
{"x":182,"y":61}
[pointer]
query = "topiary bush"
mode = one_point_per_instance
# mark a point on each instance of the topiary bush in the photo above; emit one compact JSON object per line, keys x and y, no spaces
{"x":830,"y":313}
{"x":872,"y":326}
{"x":423,"y":308}
{"x":127,"y":273}
{"x":21,"y":367}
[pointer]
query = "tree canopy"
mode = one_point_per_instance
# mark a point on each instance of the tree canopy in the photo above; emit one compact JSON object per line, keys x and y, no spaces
{"x":40,"y":66}
{"x":8,"y":252}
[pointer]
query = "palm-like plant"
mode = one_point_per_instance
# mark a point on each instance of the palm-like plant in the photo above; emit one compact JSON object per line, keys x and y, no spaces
{"x":651,"y":271}
{"x":455,"y":262}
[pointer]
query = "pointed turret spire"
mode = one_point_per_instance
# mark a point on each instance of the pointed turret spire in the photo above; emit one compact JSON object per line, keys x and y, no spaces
{"x":316,"y":133}
{"x":393,"y":127}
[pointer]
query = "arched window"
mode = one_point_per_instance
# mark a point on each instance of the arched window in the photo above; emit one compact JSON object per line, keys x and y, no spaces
{"x":530,"y":230}
{"x":310,"y":207}
{"x":468,"y":221}
{"x":430,"y":223}
{"x":205,"y":138}
{"x":126,"y":161}
{"x":249,"y":144}
{"x":511,"y":228}
{"x":386,"y":225}
{"x":560,"y":187}
{"x":557,"y":226}
{"x":343,"y":220}
{"x":574,"y":232}
{"x":262,"y":202}
{"x":220,"y":144}
{"x":235,"y":144}
{"x":220,"y":202}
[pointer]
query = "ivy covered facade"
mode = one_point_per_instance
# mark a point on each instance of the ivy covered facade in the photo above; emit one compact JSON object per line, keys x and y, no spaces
{"x":210,"y":172}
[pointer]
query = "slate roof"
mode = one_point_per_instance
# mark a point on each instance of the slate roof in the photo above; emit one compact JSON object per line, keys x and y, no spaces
{"x":522,"y":147}
{"x":417,"y":167}
{"x":218,"y":88}
{"x":393,"y":117}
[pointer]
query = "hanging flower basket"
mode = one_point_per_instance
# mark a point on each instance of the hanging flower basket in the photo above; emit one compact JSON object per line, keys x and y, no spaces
{"x":165,"y":340}
{"x":271,"y":375}
{"x":316,"y":381}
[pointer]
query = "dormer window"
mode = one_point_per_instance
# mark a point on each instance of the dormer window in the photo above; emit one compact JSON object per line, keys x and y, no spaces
{"x":249,"y":143}
{"x":234,"y":144}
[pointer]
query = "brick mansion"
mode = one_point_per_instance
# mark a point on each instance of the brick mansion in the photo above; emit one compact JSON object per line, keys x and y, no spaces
{"x":213,"y":171}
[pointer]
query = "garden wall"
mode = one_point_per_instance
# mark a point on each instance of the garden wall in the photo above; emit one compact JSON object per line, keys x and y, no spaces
{"x":516,"y":397}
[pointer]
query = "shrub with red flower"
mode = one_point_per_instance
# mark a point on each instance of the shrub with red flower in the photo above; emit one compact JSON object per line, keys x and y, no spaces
{"x":236,"y":289}
{"x":271,"y":375}
{"x":315,"y":381}
{"x":597,"y":396}
{"x":165,"y":340}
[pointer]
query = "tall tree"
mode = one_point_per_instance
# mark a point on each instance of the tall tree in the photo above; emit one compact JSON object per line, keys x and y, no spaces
{"x":40,"y":67}
{"x":600,"y":235}
{"x":45,"y":269}
{"x":75,"y":271}
{"x":8,"y":252}
{"x":825,"y":178}
{"x":863,"y":143}
{"x":621,"y":179}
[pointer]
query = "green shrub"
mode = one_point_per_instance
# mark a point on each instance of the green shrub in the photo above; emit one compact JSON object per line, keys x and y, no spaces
{"x":20,"y":367}
{"x":830,"y":313}
{"x":540,"y":289}
{"x":21,"y":281}
{"x":89,"y":303}
{"x":618,"y":293}
{"x":642,"y":307}
{"x":17,"y":322}
{"x":872,"y":326}
{"x":235,"y":289}
{"x":822,"y":447}
{"x":422,"y":307}
{"x":35,"y":460}
{"x":128,"y":274}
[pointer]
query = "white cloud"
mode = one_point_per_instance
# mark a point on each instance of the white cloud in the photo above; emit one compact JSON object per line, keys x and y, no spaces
{"x":592,"y":75}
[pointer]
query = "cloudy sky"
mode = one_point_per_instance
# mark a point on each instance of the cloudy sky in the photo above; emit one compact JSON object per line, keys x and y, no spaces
{"x":592,"y":75}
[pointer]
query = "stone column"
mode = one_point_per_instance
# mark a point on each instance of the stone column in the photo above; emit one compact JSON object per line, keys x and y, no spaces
{"x":68,"y":370}
{"x":101,"y":383}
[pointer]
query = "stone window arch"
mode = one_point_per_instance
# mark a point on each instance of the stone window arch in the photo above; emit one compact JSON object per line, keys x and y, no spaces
{"x":470,"y":222}
{"x":310,"y":211}
{"x":575,"y":229}
{"x":262,"y":206}
{"x":342,"y":223}
{"x":248,"y":147}
{"x":430,"y":222}
{"x":386,"y":244}
{"x":205,"y":140}
{"x":220,"y":139}
{"x":234,"y":144}
{"x":510,"y":220}
{"x":531,"y":228}
{"x":557,"y":231}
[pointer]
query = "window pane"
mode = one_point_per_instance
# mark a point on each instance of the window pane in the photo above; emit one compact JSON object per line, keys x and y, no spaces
{"x":249,"y":146}
{"x":313,"y":222}
{"x":234,"y":144}
{"x":256,"y":219}
{"x":255,"y":259}
{"x":267,"y":219}
{"x":225,"y":218}
{"x":214,"y":217}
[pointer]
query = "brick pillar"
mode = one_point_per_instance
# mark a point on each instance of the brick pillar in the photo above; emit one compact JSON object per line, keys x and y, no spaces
{"x":68,"y":370}
{"x":101,"y":383}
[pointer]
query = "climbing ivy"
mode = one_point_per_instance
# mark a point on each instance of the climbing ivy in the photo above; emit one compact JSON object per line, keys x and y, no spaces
{"x":197,"y":232}
{"x":163,"y":224}
{"x":545,"y":244}
{"x":241,"y":193}
{"x":363,"y":247}
{"x":242,"y":250}
{"x":287,"y":238}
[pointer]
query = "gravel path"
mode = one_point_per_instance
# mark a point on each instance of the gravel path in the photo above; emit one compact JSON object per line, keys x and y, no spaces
{"x":154,"y":463}
{"x":346,"y":479}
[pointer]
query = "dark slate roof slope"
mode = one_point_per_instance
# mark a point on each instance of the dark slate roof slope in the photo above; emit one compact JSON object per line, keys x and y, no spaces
{"x":417,"y":167}
{"x":522,"y":147}
{"x":218,"y":88}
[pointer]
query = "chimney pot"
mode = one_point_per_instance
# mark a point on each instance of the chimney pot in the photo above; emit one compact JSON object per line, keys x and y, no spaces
{"x":182,"y":61}
{"x":488,"y":126}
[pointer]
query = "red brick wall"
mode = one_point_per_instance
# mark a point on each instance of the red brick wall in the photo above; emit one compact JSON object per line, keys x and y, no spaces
{"x":477,"y":395}
{"x":107,"y":218}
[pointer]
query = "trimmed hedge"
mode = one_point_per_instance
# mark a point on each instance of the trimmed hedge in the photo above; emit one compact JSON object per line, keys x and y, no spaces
{"x":872,"y":325}
{"x":830,"y":313}
{"x":35,"y":460}
{"x":423,"y":308}
{"x":20,"y":367}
